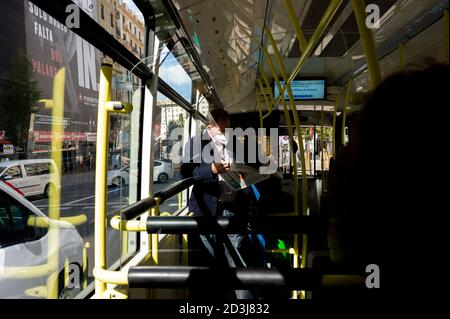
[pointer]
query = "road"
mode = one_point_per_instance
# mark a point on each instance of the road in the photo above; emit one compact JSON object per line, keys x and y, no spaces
{"x":77,"y":197}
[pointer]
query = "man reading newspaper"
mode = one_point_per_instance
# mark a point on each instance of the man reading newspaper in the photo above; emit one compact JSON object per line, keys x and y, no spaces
{"x":220,"y":189}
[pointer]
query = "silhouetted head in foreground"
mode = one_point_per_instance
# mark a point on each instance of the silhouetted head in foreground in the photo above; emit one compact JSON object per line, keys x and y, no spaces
{"x":384,"y":195}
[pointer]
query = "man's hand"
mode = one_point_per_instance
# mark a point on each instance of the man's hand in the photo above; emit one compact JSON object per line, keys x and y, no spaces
{"x":219,"y":168}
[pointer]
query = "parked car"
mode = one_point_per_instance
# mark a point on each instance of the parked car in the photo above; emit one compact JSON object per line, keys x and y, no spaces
{"x":32,"y":176}
{"x":22,"y":245}
{"x":162,"y":172}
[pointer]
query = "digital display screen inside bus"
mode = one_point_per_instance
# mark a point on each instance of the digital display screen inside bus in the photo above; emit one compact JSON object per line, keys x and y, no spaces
{"x":304,"y":90}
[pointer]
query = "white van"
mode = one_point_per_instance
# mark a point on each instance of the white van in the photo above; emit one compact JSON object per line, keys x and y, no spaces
{"x":23,"y":245}
{"x":31,"y":177}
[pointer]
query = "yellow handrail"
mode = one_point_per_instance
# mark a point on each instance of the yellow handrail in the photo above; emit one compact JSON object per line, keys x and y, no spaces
{"x":289,"y":126}
{"x":49,"y":270}
{"x":263,"y":91}
{"x":27,"y":272}
{"x":295,"y":23}
{"x":105,"y":106}
{"x":57,"y":107}
{"x":368,"y":43}
{"x":155,"y":239}
{"x":258,"y":105}
{"x":86,"y":246}
{"x":302,"y":157}
{"x":127,"y":225}
{"x":296,"y":122}
{"x":264,"y":76}
{"x":317,"y":35}
{"x":43,"y":222}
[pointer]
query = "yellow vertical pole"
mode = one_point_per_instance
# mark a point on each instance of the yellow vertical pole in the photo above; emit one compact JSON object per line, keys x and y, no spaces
{"x":263,"y":91}
{"x":185,"y":248}
{"x":446,"y":39}
{"x":302,"y":157}
{"x":317,"y":35}
{"x":294,"y":156}
{"x":296,"y":122}
{"x":266,"y":82}
{"x":344,"y":112}
{"x":297,"y":28}
{"x":57,"y":105}
{"x":155,"y":240}
{"x":154,"y":253}
{"x":124,"y":250}
{"x":100,"y":175}
{"x":401,"y":53}
{"x":87,"y":245}
{"x":258,"y":104}
{"x":368,"y":43}
{"x":66,"y":272}
{"x":180,"y":200}
{"x":289,"y":125}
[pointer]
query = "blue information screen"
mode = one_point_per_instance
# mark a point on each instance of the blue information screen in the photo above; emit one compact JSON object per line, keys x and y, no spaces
{"x":304,"y":90}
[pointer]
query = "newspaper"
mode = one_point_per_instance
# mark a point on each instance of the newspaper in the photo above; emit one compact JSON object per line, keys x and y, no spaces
{"x":241,"y":176}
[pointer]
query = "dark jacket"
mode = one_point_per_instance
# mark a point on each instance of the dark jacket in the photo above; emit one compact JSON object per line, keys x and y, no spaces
{"x":206,"y":191}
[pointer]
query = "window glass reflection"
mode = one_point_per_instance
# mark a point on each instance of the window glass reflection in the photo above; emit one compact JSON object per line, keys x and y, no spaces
{"x":171,"y":133}
{"x":30,"y":176}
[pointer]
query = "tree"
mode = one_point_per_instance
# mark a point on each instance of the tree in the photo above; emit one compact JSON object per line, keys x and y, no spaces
{"x":19,"y":94}
{"x":174,"y":125}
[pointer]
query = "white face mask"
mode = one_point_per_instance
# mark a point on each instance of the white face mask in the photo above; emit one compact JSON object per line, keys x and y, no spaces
{"x":221,"y":138}
{"x":217,"y":135}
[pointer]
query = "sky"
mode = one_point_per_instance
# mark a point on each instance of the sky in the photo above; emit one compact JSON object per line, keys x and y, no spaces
{"x":130,"y":4}
{"x":170,"y":71}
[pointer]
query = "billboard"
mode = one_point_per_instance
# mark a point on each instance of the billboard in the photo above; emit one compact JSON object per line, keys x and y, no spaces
{"x":50,"y":46}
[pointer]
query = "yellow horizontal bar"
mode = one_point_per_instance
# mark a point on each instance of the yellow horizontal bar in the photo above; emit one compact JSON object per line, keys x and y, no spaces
{"x":26,"y":272}
{"x":75,"y":220}
{"x":128,"y":225}
{"x":119,"y":107}
{"x":111,"y":277}
{"x":42,"y":222}
{"x":48,"y":103}
{"x":165,"y":214}
{"x":280,"y":251}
